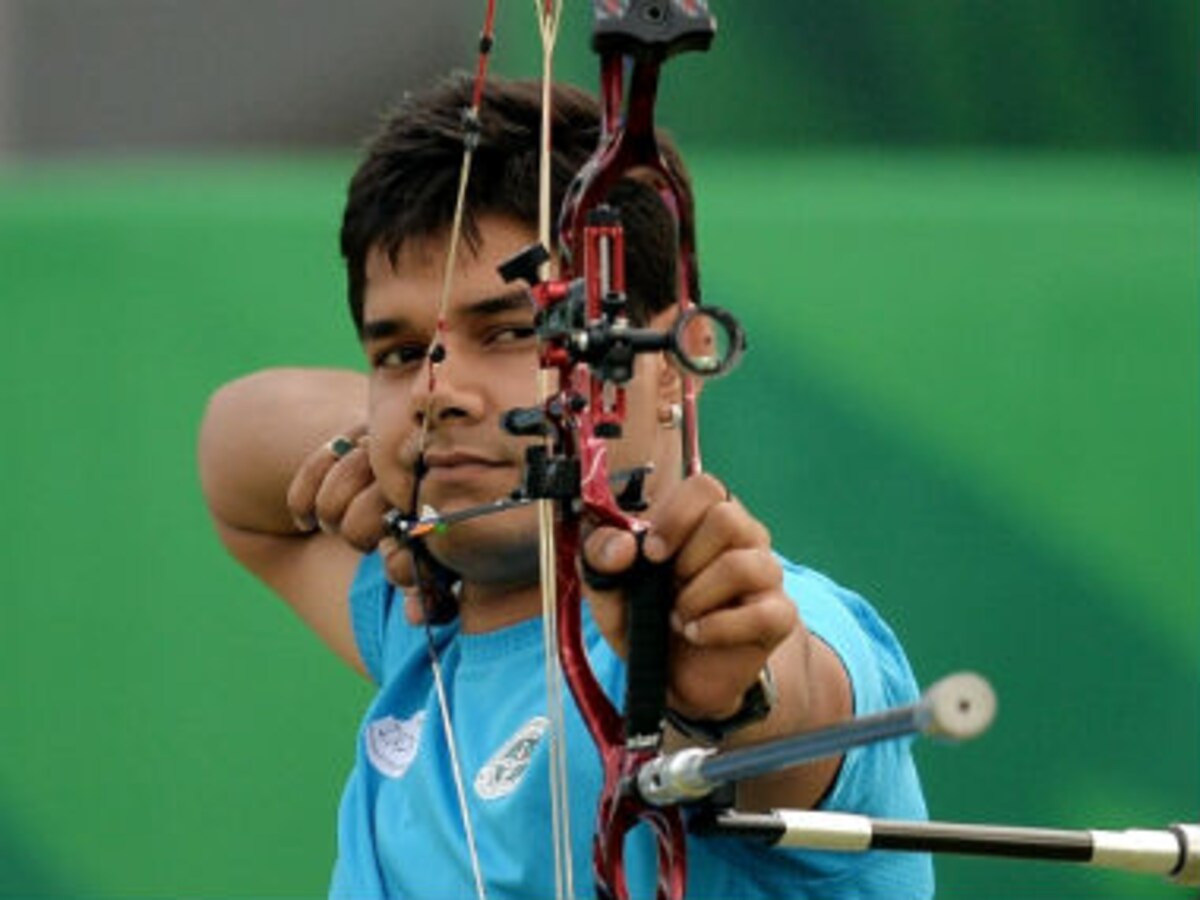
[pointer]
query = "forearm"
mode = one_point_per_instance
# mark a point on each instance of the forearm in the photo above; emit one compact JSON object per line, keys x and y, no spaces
{"x":813,"y":692}
{"x":256,"y":432}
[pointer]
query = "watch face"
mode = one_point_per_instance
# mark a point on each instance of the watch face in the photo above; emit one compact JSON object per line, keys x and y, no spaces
{"x":759,"y":700}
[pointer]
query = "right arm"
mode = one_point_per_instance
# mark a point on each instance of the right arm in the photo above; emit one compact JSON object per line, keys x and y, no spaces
{"x":268,"y":474}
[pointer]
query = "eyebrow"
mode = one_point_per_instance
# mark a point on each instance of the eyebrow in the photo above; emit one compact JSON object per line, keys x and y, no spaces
{"x":514,"y":300}
{"x":518,"y":299}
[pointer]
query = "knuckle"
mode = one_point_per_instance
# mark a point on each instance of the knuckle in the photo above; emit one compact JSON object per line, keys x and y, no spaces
{"x":737,"y":526}
{"x":337,"y":490}
{"x":330,"y":504}
{"x":750,"y":569}
{"x":358,"y":460}
{"x":776,"y":617}
{"x":300,"y":491}
{"x":362,"y":524}
{"x":769,"y":567}
{"x":728,"y":521}
{"x":360,"y":539}
{"x":359,"y":533}
{"x":294,"y":504}
{"x":712,"y":487}
{"x":396,"y":565}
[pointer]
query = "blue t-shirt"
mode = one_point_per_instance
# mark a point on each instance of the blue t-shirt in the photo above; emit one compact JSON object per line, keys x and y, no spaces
{"x":399,"y":827}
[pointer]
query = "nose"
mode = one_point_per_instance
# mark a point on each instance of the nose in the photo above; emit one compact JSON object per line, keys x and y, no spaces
{"x":445,"y":392}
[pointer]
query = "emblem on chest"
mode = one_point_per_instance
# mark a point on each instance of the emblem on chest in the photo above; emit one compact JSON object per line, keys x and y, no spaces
{"x":392,"y":743}
{"x":500,"y":775}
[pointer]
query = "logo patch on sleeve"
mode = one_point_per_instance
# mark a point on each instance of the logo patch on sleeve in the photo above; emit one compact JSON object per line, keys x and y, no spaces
{"x":392,"y":743}
{"x":501,"y":774}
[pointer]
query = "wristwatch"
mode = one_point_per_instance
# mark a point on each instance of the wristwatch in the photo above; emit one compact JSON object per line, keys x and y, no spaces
{"x":757,"y":703}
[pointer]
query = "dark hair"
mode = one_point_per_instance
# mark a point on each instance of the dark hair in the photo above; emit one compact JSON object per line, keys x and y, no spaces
{"x":406,"y":185}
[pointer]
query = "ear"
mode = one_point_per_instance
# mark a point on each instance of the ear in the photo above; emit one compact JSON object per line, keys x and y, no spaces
{"x":699,"y":339}
{"x":668,"y":377}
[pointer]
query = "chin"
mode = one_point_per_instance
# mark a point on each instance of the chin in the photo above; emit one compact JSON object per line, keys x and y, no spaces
{"x":494,"y":549}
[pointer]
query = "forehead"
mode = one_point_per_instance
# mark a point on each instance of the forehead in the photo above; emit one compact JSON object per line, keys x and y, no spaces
{"x":415,"y":257}
{"x":411,"y":283}
{"x":426,"y":256}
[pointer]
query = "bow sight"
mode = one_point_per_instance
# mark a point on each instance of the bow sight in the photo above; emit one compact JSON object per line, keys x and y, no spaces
{"x":585,"y":320}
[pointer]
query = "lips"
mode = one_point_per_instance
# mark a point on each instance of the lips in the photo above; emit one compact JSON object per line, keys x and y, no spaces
{"x":461,"y":467}
{"x":458,"y":459}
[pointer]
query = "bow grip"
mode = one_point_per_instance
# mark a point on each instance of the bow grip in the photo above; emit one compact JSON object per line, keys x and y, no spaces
{"x":649,"y":591}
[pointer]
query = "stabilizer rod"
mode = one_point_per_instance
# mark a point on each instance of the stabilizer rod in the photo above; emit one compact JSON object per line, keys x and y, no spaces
{"x":958,"y":707}
{"x":1173,"y":852}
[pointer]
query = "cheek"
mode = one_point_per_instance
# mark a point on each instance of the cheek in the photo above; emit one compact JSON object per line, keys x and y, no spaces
{"x":506,"y":381}
{"x":638,"y":438}
{"x":641,"y":410}
{"x":391,"y":427}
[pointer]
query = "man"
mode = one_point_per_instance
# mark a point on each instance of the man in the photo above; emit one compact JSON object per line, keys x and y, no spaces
{"x":299,"y":467}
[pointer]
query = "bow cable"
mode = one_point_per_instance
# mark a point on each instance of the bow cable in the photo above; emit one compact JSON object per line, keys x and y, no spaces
{"x":430,"y":591}
{"x":549,"y":13}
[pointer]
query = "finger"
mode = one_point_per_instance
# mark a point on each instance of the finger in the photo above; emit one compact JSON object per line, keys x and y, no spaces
{"x":414,"y":606}
{"x":609,"y":550}
{"x":302,"y":491}
{"x":728,"y":578}
{"x":306,"y":482}
{"x":762,"y":620}
{"x":673,"y":520}
{"x":401,"y":572}
{"x":362,"y":524}
{"x":397,"y":562}
{"x":344,"y":480}
{"x":725,"y":525}
{"x":703,"y":688}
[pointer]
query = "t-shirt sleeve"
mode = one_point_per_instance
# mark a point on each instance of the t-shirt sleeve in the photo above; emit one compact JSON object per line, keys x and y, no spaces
{"x":878,"y":780}
{"x":371,"y":598}
{"x":880,"y":678}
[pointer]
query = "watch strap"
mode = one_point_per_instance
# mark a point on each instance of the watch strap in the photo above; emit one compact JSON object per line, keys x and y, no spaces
{"x":757,"y":704}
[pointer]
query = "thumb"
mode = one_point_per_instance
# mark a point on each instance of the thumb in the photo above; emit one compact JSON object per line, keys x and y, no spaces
{"x":607,"y":553}
{"x":398,"y":563}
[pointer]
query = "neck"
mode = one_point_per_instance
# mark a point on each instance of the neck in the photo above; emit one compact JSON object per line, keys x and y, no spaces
{"x":490,"y":607}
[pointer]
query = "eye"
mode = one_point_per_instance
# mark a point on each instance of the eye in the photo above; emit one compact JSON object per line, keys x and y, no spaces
{"x":513,"y":334}
{"x":400,"y":356}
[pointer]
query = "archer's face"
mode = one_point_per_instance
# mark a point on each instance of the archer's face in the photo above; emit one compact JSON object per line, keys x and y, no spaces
{"x":490,"y":367}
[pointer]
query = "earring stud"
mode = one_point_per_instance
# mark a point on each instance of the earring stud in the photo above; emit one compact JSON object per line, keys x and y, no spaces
{"x":671,"y":416}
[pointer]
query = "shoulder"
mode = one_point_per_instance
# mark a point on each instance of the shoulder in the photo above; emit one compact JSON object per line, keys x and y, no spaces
{"x":853,"y":628}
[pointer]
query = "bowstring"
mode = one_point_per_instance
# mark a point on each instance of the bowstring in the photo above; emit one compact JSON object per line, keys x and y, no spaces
{"x":548,"y":14}
{"x":434,"y":356}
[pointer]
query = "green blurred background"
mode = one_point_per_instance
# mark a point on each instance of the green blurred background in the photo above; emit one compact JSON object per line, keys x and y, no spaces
{"x":963,"y":237}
